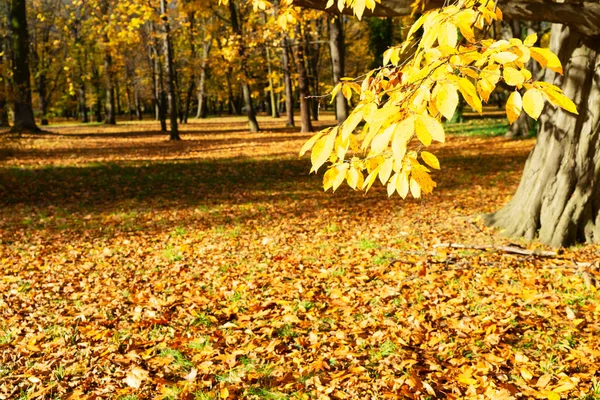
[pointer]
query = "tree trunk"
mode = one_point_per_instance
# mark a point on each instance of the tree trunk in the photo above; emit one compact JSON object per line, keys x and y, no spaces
{"x":109,"y":116}
{"x":237,"y":30}
{"x":274,"y":110}
{"x":23,"y":111}
{"x":337,"y":47}
{"x":305,"y":124}
{"x":174,"y":134}
{"x":287,"y":78}
{"x":559,"y":194}
{"x":83,"y":112}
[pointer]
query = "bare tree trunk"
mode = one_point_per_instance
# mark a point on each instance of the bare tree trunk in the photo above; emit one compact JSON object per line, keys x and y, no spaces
{"x":23,"y":110}
{"x":287,"y":78}
{"x":83,"y":112}
{"x":237,"y":29}
{"x":559,"y":194}
{"x":202,"y":106}
{"x":174,"y":134}
{"x":337,"y":47}
{"x":109,"y":116}
{"x":305,"y":124}
{"x":138,"y":102}
{"x":274,"y":110}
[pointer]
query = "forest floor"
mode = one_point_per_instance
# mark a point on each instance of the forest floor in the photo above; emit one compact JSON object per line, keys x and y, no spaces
{"x":132,"y":267}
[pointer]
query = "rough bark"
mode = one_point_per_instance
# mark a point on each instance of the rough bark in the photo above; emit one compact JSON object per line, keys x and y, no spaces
{"x":303,"y":88}
{"x":287,"y":79}
{"x":23,"y":109}
{"x":336,"y":45}
{"x":559,"y":194}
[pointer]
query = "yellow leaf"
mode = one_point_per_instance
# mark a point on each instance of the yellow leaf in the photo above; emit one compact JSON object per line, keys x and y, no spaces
{"x":391,"y":187}
{"x":533,"y":103}
{"x":420,"y":174}
{"x":553,"y":396}
{"x":329,"y":178}
{"x":340,"y":175}
{"x":557,"y":98}
{"x":514,"y":105}
{"x":448,"y":35}
{"x":430,"y":159}
{"x":350,"y":124}
{"x":335,"y":91}
{"x":526,"y":374}
{"x":382,"y":140}
{"x":467,"y":380}
{"x":385,"y":171}
{"x":310,"y":143}
{"x":530,"y":40}
{"x":430,"y":129}
{"x":415,"y":190}
{"x":513,"y":76}
{"x":370,"y":179}
{"x":402,"y":184}
{"x":547,"y":59}
{"x":224,"y":393}
{"x":470,"y":94}
{"x":446,"y":100}
{"x":359,"y":8}
{"x":565,"y":386}
{"x":504,"y":57}
{"x":544,"y":380}
{"x":352,"y":178}
{"x":402,"y":134}
{"x":322,"y":150}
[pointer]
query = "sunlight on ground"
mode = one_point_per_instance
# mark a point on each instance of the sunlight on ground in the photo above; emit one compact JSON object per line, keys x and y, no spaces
{"x":215,"y":267}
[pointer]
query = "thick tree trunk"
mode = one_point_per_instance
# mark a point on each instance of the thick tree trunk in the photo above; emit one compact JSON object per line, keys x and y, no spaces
{"x":305,"y":124}
{"x":559,"y":194}
{"x":174,"y":134}
{"x":23,"y":110}
{"x":336,"y":45}
{"x":287,"y":79}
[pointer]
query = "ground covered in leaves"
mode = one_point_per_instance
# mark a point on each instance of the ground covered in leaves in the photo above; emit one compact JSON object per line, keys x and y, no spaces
{"x":135,"y":268}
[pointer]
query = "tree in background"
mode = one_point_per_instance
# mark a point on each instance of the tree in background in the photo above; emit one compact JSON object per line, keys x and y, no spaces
{"x":21,"y":91}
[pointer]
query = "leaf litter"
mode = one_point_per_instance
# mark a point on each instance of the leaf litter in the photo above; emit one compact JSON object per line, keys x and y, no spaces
{"x":134,"y":268}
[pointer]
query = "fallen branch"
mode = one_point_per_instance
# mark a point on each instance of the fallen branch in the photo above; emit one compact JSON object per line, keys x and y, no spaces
{"x":505,"y":249}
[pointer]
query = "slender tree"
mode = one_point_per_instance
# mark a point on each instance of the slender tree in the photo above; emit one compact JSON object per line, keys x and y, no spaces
{"x":172,"y":97}
{"x":337,"y":48}
{"x":287,"y":79}
{"x":305,"y":124}
{"x":237,"y":30}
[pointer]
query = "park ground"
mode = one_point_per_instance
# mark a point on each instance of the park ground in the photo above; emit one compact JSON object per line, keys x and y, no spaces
{"x":132,"y":267}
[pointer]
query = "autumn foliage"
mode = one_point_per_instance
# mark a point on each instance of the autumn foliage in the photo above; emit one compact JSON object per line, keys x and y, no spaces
{"x":402,"y":104}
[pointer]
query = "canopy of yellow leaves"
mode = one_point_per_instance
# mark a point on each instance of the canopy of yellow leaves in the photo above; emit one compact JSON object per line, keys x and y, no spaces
{"x":402,"y":104}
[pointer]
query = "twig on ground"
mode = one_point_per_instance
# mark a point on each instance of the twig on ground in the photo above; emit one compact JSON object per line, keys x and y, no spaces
{"x":505,"y":249}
